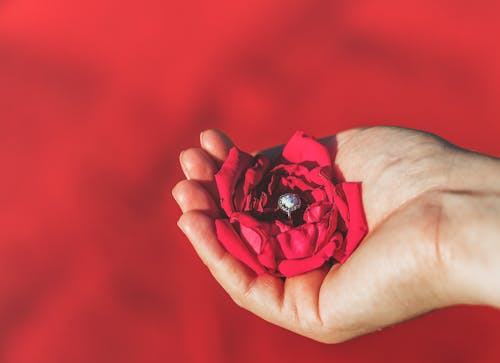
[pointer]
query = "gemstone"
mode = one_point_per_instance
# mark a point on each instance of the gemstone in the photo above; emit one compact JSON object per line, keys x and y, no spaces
{"x":288,"y":203}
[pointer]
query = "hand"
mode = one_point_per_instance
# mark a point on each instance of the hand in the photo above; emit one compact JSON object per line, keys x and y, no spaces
{"x":432,"y":211}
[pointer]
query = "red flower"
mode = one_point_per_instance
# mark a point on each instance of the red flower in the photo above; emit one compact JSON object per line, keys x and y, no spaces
{"x":327,"y":227}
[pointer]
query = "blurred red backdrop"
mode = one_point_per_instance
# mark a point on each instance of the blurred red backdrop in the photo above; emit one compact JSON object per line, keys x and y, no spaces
{"x":97,"y":99}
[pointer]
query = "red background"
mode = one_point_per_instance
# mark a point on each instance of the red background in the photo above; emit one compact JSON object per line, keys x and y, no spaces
{"x":97,"y":99}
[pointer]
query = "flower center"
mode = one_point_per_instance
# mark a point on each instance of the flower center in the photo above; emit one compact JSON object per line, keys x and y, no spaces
{"x":288,"y":203}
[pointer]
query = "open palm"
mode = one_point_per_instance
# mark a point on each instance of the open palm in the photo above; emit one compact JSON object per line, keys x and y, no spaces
{"x":396,"y":273}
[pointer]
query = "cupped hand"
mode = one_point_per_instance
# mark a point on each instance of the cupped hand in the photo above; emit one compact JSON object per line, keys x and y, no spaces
{"x":404,"y":267}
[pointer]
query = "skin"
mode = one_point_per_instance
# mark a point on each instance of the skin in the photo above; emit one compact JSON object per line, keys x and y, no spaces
{"x":433,"y":212}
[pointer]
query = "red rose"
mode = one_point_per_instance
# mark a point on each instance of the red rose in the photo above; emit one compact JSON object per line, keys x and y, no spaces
{"x":327,"y":227}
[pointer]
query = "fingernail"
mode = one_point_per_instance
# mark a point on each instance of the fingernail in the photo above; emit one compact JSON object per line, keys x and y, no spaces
{"x":179,"y":198}
{"x":183,"y":167}
{"x":201,"y":137}
{"x":179,"y":224}
{"x":174,"y":194}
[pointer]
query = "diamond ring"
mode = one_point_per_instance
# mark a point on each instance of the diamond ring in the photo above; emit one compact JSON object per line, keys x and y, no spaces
{"x":288,"y":203}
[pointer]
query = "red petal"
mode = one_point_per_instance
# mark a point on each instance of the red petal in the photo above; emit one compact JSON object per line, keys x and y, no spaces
{"x":339,"y":201}
{"x":299,"y":242}
{"x":235,"y":246}
{"x":283,"y":227}
{"x":316,"y":212}
{"x":268,"y":255}
{"x":252,"y":237}
{"x":252,"y":177}
{"x":355,"y":221}
{"x":303,"y":148}
{"x":255,"y":233}
{"x":290,"y":268}
{"x":229,"y":174}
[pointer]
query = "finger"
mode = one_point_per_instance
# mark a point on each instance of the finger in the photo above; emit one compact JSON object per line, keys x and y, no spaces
{"x":199,"y":166}
{"x":262,"y":295}
{"x":301,"y":296}
{"x":216,"y":144}
{"x":190,"y":195}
